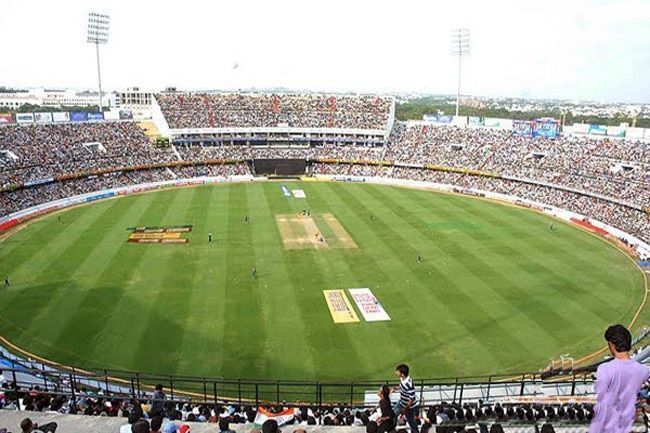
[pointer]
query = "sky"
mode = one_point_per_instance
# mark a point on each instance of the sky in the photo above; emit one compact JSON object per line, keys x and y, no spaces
{"x":562,"y":49}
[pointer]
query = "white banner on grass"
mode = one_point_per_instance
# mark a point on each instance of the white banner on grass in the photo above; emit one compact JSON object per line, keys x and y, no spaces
{"x":368,"y":305}
{"x":298,"y":193}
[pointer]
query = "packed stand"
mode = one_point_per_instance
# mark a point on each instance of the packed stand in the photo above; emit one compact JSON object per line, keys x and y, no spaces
{"x":196,"y":110}
{"x":45,"y":151}
{"x":617,"y":169}
{"x":160,"y":411}
{"x":12,"y":201}
{"x":215,"y":170}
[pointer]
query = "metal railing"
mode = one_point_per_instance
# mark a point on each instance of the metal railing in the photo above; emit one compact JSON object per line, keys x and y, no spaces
{"x":136,"y":385}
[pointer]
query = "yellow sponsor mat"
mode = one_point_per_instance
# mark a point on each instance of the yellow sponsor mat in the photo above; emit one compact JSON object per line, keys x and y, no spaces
{"x":167,"y":235}
{"x":340,"y":307}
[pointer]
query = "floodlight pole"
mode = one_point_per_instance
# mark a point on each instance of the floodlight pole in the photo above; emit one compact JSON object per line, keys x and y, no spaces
{"x":98,"y":25}
{"x":459,"y":48}
{"x":457,"y":87}
{"x":99,"y":79}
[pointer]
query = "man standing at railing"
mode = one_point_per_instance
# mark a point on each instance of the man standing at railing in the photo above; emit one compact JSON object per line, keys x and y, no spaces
{"x":617,"y":385}
{"x":408,"y":400}
{"x":157,"y":402}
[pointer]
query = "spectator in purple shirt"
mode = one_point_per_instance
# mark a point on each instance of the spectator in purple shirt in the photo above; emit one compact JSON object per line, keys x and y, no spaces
{"x":617,"y":385}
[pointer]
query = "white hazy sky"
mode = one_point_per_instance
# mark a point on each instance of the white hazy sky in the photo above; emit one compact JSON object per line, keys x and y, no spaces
{"x":569,"y":49}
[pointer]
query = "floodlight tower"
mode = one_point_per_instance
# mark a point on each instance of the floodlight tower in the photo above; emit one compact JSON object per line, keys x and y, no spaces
{"x":98,"y":34}
{"x":459,"y":48}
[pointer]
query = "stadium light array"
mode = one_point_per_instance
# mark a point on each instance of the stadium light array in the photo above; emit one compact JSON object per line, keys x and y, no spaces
{"x":98,"y":25}
{"x":459,"y":48}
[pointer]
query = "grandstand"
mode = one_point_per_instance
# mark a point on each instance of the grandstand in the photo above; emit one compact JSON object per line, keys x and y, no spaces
{"x":582,"y":175}
{"x":275,"y":119}
{"x":599,"y":184}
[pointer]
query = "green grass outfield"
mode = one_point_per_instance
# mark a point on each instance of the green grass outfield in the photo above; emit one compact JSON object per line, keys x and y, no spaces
{"x":497,"y":292}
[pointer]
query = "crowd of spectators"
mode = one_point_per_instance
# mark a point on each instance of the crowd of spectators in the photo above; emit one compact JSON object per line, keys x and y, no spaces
{"x":44,"y":151}
{"x":160,"y":411}
{"x":12,"y":201}
{"x":606,"y":179}
{"x":196,"y":110}
{"x":15,"y":200}
{"x":213,"y":170}
{"x":617,"y":169}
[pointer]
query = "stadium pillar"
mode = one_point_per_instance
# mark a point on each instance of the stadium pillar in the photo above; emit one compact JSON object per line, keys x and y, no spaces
{"x":573,"y":385}
{"x":320,"y":397}
{"x":13,"y":372}
{"x":487,"y":397}
{"x":132,"y":389}
{"x":72,"y":389}
{"x":44,"y":377}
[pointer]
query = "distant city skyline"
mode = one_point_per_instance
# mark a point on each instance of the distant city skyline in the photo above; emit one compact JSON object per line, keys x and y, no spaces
{"x":584,"y":50}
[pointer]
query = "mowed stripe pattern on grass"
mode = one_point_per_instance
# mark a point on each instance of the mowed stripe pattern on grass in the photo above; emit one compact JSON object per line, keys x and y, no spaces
{"x":497,"y":292}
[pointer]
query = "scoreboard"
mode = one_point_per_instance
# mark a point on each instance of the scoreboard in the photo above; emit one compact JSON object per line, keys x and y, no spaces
{"x":546,"y":127}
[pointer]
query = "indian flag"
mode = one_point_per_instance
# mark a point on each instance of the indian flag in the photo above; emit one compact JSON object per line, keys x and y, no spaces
{"x":281,"y":417}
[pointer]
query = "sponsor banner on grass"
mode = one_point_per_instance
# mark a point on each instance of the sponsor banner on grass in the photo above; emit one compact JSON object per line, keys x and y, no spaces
{"x":340,"y":306}
{"x":159,"y":235}
{"x":298,"y":193}
{"x":370,"y":308}
{"x":6,"y":118}
{"x":280,"y":417}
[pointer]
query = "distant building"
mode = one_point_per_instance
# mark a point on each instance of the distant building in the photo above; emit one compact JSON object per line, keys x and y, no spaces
{"x":74,"y":98}
{"x":15,"y":100}
{"x":137,"y":100}
{"x":56,"y":98}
